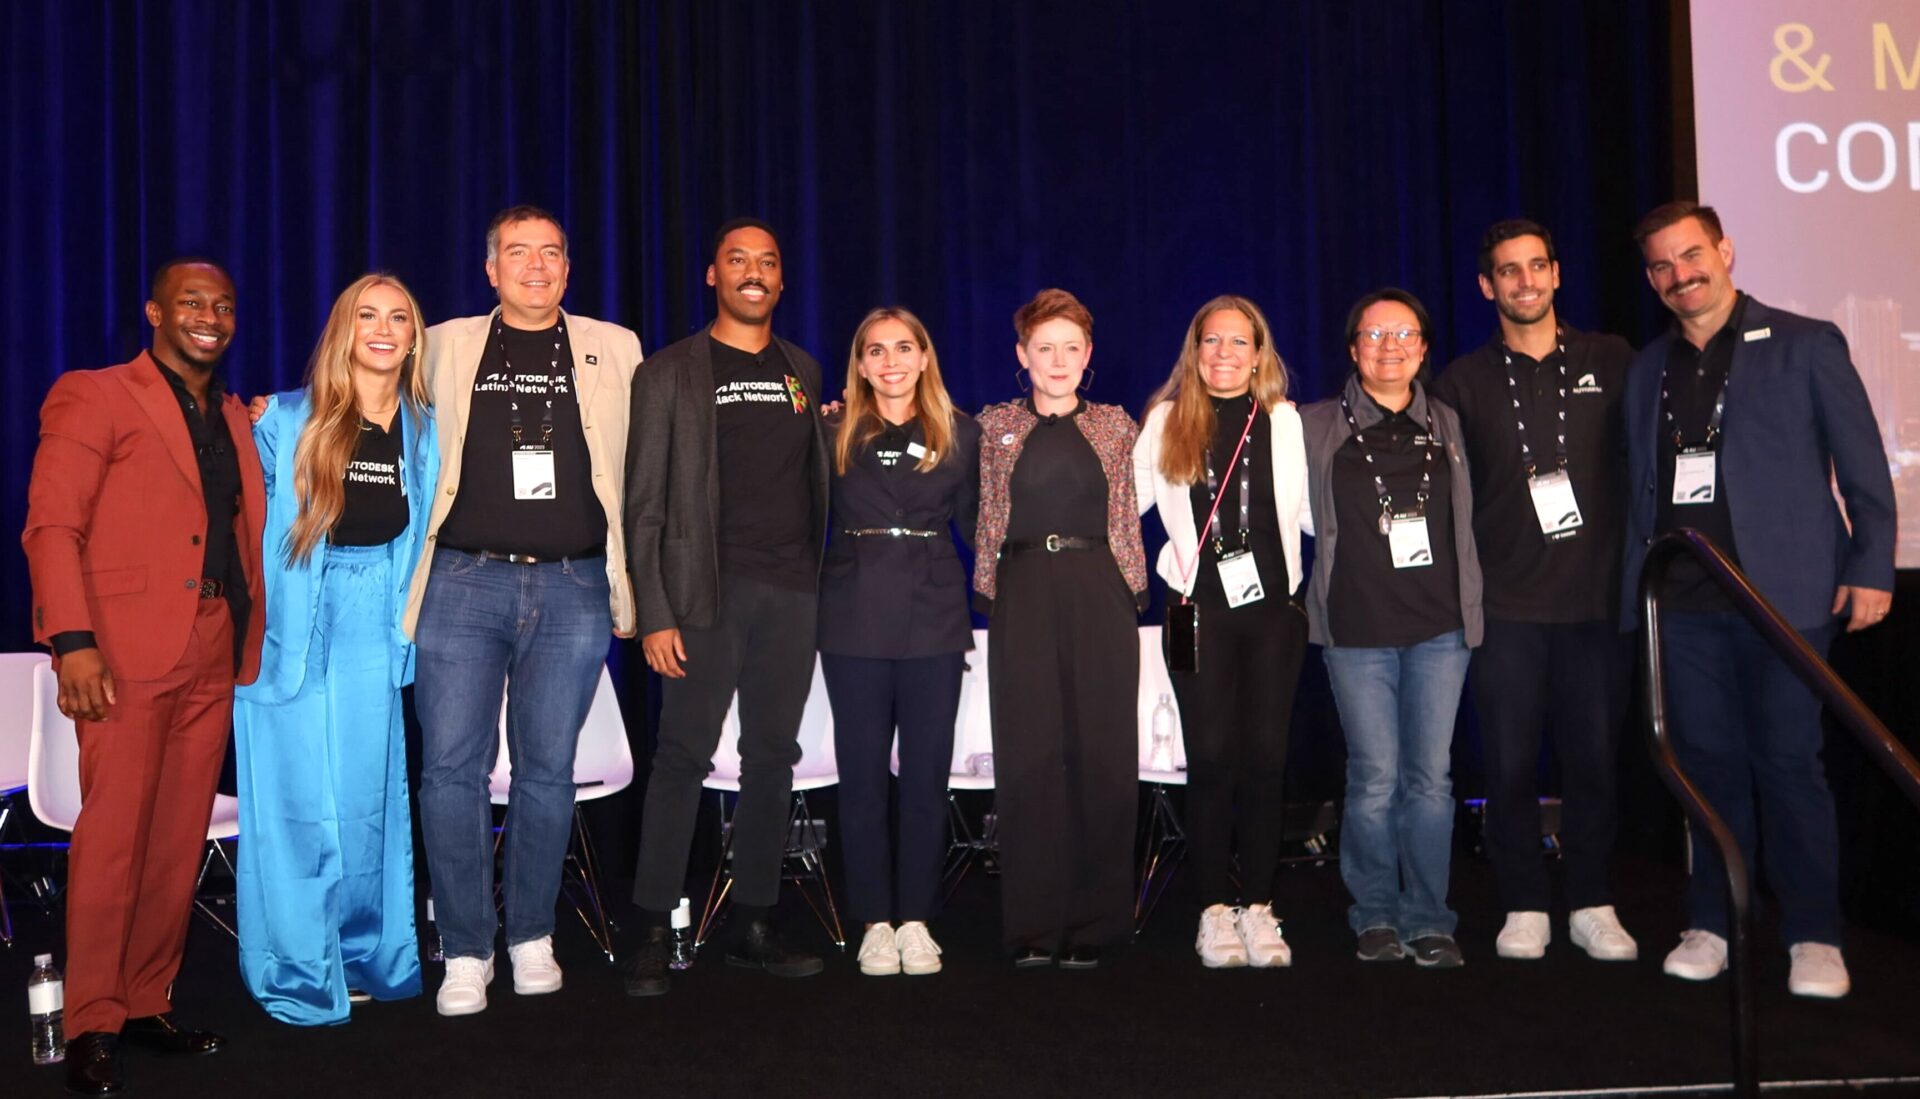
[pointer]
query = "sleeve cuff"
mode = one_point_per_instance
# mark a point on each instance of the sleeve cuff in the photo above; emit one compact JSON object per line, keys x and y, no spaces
{"x":70,"y":641}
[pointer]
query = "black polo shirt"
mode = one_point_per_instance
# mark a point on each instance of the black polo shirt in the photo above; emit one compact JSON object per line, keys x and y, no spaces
{"x":1694,"y":379}
{"x":763,"y":434}
{"x":1530,"y":578}
{"x":1371,"y":604}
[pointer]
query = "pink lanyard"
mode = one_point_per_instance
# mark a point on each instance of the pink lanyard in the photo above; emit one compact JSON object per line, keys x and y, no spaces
{"x":1186,"y":571}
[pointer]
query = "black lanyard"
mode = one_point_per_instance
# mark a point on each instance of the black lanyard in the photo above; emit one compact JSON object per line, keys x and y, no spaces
{"x":1713,"y":421}
{"x":1214,"y":489}
{"x":516,"y":425}
{"x":1520,"y":420}
{"x":1380,"y":484}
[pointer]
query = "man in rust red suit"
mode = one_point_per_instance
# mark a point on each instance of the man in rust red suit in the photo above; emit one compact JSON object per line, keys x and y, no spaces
{"x":143,"y":539}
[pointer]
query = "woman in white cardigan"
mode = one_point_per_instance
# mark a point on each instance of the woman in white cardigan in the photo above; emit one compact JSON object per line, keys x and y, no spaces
{"x":1220,"y":455}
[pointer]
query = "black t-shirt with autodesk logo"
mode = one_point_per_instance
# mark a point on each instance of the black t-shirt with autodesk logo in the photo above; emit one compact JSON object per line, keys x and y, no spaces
{"x":764,"y":438}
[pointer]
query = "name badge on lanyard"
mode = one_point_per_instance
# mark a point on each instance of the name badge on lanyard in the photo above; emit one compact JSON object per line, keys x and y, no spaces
{"x":1554,"y":505}
{"x":1407,"y":540}
{"x":1693,"y":470}
{"x":1240,"y":579}
{"x":533,"y":475}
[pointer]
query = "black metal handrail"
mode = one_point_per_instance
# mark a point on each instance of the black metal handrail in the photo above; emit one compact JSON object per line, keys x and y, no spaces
{"x":1880,"y":744}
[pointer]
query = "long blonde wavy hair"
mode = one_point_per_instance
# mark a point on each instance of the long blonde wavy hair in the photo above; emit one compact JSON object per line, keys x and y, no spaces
{"x":333,"y":426}
{"x":862,"y":421}
{"x":1190,"y":424}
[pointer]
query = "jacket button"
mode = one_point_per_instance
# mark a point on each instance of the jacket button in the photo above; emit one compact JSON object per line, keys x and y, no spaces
{"x":196,"y":539}
{"x":449,"y":490}
{"x":191,"y":585}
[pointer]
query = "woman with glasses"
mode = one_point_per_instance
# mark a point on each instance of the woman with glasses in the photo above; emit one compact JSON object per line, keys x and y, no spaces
{"x":1395,"y":601}
{"x":894,"y":628}
{"x":1062,"y":575}
{"x":1220,"y":456}
{"x":325,"y":880}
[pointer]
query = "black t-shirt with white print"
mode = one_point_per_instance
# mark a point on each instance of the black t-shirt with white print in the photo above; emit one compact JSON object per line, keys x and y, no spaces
{"x":375,"y":510}
{"x":764,"y":437}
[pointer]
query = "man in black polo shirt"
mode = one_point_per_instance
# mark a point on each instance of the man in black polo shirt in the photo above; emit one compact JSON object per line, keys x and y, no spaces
{"x":1539,"y":405}
{"x":727,"y":501}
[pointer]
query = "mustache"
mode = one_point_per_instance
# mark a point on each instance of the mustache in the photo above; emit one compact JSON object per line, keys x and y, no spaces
{"x":1683,"y":287}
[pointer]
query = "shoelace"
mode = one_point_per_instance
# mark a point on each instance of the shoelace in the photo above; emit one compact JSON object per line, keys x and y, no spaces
{"x":916,"y":938}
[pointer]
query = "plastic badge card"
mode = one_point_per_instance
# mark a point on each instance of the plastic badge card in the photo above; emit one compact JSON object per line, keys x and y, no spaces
{"x":1407,"y":540}
{"x":1693,"y":477}
{"x":1553,"y":503}
{"x":533,"y":475}
{"x":1240,"y":579}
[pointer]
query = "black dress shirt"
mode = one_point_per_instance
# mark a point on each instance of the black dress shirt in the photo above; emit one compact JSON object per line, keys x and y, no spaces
{"x":1694,"y":380}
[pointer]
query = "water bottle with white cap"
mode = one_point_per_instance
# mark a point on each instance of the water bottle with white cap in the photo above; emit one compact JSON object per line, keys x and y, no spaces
{"x":46,"y":1002}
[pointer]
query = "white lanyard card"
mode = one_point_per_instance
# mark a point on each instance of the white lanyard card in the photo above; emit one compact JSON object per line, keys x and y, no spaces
{"x":533,"y":475}
{"x":1407,"y":541}
{"x":1693,"y":476}
{"x":1553,"y":503}
{"x":1240,"y":579}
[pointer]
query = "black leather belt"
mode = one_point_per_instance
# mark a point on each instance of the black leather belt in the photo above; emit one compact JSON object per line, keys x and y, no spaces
{"x":213,"y":589}
{"x":527,"y":558}
{"x":888,"y":532}
{"x":1052,"y":543}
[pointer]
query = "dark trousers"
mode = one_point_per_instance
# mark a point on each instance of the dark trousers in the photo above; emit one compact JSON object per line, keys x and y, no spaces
{"x":1742,"y":722}
{"x":1568,"y":678}
{"x":1235,"y":712}
{"x":1063,"y":661}
{"x":762,"y":644}
{"x":888,"y":880}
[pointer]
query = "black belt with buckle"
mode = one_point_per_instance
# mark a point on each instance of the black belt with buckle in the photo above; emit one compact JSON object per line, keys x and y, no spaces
{"x":888,"y":532}
{"x":1052,"y":543}
{"x":527,"y":558}
{"x":212,"y":589}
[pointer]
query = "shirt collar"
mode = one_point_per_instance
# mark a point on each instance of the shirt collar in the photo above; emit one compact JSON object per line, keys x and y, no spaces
{"x":1079,"y":406}
{"x":216,"y":386}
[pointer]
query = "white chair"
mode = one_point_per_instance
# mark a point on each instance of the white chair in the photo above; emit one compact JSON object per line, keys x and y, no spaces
{"x":16,"y":736}
{"x":602,"y":767}
{"x":806,"y":842}
{"x":972,"y":740}
{"x":53,"y":785}
{"x":1165,"y":839}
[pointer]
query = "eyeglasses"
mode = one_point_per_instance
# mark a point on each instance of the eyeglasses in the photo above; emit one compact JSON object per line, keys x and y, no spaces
{"x":1378,"y":336}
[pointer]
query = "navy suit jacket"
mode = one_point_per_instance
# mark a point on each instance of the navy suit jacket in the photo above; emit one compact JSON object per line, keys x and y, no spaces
{"x":1795,"y":411}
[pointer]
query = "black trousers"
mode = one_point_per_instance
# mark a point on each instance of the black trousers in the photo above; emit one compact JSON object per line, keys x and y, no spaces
{"x":888,"y":880}
{"x":1529,"y":676}
{"x":1063,"y":661}
{"x":762,"y":644}
{"x":1235,"y":713}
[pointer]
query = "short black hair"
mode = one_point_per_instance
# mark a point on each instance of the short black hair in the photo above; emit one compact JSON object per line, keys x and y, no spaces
{"x":514,"y":215}
{"x":1501,"y":232}
{"x":160,"y":273}
{"x":728,"y":226}
{"x":1672,"y":213}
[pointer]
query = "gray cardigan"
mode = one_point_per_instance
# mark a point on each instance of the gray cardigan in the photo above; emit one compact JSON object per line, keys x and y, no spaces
{"x":1326,"y":431}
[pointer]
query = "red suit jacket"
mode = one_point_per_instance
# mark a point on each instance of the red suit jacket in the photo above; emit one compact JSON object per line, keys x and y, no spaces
{"x":116,"y":519}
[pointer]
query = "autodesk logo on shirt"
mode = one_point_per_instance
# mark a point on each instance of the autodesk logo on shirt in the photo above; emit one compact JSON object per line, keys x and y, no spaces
{"x":1587,"y":385}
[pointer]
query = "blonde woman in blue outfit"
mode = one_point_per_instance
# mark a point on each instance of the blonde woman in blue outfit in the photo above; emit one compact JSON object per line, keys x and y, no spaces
{"x":325,"y":878}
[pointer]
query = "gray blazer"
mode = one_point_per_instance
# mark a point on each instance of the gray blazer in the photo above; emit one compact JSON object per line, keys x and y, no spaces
{"x":673,"y":483}
{"x":1326,"y":431}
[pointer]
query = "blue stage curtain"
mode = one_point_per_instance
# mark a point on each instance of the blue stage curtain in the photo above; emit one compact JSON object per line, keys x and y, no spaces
{"x":950,"y":155}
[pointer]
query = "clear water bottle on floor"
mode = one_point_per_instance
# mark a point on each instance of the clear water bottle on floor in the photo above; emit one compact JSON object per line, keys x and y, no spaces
{"x":1160,"y":754}
{"x":682,"y":924}
{"x":46,"y":1001}
{"x":434,"y":953}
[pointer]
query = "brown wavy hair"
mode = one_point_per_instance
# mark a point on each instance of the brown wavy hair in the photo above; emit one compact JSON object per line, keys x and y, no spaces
{"x":332,"y":432}
{"x":1190,"y":424}
{"x":862,"y":421}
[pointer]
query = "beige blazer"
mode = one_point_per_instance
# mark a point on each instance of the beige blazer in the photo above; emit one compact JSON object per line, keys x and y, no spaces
{"x":605,"y":357}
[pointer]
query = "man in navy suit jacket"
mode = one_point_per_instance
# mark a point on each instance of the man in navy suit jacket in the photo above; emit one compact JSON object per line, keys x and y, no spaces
{"x":1739,"y":422}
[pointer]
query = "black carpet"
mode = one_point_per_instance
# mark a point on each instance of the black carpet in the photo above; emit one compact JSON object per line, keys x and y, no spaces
{"x":1149,"y":1021}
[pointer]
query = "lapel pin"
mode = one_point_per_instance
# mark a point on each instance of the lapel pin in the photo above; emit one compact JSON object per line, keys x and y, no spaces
{"x":591,"y":360}
{"x":1757,"y":334}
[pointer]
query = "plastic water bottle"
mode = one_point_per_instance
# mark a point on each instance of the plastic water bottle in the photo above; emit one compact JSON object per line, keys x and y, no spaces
{"x":434,"y":953}
{"x":682,"y":923}
{"x":46,"y":1003}
{"x":1160,"y":755}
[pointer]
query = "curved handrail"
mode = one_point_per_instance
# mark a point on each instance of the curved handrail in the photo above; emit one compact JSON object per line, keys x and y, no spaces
{"x":1881,"y":745}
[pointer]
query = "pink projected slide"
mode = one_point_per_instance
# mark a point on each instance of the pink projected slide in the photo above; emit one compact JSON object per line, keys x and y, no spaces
{"x":1808,"y":126}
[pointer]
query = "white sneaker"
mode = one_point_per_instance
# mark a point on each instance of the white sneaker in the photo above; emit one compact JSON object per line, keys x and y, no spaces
{"x":1701,"y":956}
{"x":919,"y":954}
{"x":1818,"y":970}
{"x":1219,"y":939}
{"x":1259,"y":931}
{"x":535,"y":973}
{"x":464,"y":989}
{"x":879,"y":951}
{"x":1597,"y":931}
{"x":1525,"y":936}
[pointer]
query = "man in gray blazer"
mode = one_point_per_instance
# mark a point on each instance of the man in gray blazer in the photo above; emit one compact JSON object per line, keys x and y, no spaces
{"x":726,"y":520}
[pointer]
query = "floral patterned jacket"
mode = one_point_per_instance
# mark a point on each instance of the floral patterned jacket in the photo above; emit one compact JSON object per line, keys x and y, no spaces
{"x":1003,"y":433}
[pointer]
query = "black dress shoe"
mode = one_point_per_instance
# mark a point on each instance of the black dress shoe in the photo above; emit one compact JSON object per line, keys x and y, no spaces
{"x":645,"y":972}
{"x":758,"y":946}
{"x":1080,"y":957}
{"x":1032,"y":957}
{"x":93,"y":1064}
{"x":162,"y":1034}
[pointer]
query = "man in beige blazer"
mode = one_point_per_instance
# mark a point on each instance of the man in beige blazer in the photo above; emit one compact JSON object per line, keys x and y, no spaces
{"x":524,"y":577}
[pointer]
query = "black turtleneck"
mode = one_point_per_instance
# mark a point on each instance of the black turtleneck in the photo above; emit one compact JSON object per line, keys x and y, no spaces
{"x":1057,"y":485}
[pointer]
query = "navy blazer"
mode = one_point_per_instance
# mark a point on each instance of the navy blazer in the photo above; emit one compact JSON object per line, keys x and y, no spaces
{"x":1795,"y":410}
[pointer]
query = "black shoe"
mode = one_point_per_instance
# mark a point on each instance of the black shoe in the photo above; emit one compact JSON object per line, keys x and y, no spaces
{"x":645,"y":971}
{"x":758,"y":946}
{"x":1380,"y":944}
{"x":1080,"y":957}
{"x":1436,"y":952}
{"x":93,"y":1064}
{"x":1032,"y":957}
{"x":162,"y":1034}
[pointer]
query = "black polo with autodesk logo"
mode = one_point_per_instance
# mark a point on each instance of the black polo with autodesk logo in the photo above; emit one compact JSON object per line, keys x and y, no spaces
{"x":763,"y":434}
{"x":1371,"y":604}
{"x":1529,"y":577}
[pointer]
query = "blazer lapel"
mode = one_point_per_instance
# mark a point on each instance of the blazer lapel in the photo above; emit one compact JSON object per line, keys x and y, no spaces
{"x":588,"y":371}
{"x":154,"y":395}
{"x":463,"y":356}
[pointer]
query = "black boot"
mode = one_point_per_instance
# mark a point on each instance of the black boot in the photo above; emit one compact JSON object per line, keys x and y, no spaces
{"x":645,"y":971}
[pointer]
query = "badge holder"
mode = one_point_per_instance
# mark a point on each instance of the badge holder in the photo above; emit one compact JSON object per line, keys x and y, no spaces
{"x":1555,"y":506}
{"x":1693,"y":475}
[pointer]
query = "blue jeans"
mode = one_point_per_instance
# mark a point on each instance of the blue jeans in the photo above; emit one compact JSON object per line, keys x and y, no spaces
{"x":1396,"y":837}
{"x":483,"y":624}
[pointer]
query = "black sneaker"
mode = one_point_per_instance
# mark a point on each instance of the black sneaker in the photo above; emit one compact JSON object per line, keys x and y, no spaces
{"x":645,"y":970}
{"x":1080,"y":957}
{"x":1436,"y":952}
{"x":1380,"y":944}
{"x":758,"y":946}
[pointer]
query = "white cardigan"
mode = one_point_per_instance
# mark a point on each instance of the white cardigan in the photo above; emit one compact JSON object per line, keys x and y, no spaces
{"x":1152,"y":489}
